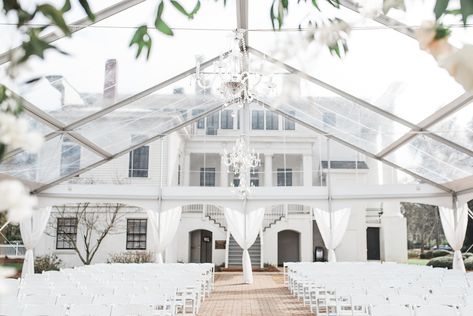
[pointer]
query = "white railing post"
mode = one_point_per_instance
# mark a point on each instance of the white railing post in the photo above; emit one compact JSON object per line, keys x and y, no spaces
{"x":261,"y":243}
{"x":227,"y":248}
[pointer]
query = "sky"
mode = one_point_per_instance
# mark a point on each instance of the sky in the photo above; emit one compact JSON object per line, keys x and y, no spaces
{"x":381,"y":62}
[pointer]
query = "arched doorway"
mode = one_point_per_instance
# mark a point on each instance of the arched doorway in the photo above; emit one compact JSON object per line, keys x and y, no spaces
{"x":288,"y":246}
{"x":200,"y":246}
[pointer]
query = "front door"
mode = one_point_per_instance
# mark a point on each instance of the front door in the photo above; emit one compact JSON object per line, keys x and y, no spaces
{"x":373,"y":243}
{"x":201,"y":246}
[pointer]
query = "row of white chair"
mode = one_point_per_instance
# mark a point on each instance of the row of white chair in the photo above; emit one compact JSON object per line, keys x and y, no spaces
{"x":80,"y":310}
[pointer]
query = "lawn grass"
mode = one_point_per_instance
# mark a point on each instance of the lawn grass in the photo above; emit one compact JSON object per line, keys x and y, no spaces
{"x":420,"y":262}
{"x":17,"y":266}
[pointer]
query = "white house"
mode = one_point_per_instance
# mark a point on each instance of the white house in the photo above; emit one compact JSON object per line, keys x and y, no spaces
{"x":299,"y":170}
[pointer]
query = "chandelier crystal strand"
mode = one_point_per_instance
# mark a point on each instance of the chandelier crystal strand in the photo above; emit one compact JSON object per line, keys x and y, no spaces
{"x":240,"y":161}
{"x":232,"y":81}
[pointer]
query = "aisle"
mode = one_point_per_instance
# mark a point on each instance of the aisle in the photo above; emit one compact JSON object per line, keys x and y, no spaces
{"x":266,"y":296}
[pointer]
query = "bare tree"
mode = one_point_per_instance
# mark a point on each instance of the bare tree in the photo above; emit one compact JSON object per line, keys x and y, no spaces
{"x":94,"y":223}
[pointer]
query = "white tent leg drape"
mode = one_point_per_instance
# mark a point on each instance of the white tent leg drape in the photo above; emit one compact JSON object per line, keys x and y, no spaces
{"x":332,"y":226}
{"x":164,"y":227}
{"x":31,"y":230}
{"x":454,"y":227}
{"x":244,"y":227}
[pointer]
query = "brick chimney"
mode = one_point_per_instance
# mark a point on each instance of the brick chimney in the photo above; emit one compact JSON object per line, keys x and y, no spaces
{"x":110,"y":81}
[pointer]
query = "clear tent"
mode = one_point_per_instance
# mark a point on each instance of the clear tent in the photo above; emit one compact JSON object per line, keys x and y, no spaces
{"x":432,"y":143}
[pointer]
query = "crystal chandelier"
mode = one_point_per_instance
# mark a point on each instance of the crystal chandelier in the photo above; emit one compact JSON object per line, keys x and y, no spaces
{"x":232,"y":80}
{"x":240,"y":161}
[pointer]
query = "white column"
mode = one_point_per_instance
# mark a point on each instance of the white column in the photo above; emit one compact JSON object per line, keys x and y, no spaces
{"x":223,"y":174}
{"x":393,"y":233}
{"x":268,"y":170}
{"x":307,"y":170}
{"x":187,"y":169}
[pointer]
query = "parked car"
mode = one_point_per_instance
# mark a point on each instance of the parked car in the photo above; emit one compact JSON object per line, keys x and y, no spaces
{"x":442,"y":247}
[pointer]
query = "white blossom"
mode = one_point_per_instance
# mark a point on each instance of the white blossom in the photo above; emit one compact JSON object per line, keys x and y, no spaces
{"x":370,"y":8}
{"x":329,"y":34}
{"x":5,"y":273}
{"x":459,"y":66}
{"x":14,"y":133}
{"x":15,"y":198}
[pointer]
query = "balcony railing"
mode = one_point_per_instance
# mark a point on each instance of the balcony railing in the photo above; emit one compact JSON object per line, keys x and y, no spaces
{"x":12,"y":251}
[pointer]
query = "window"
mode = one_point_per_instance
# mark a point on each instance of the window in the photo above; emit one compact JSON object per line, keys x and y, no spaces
{"x":136,"y":234}
{"x":207,"y":177}
{"x":290,"y":125}
{"x":66,"y":232}
{"x":212,"y":124}
{"x":139,"y":160}
{"x":227,"y":119}
{"x":272,"y":121}
{"x":330,"y":118}
{"x":284,"y":177}
{"x":257,"y":119}
{"x":254,"y":178}
{"x":201,"y":122}
{"x":70,"y":157}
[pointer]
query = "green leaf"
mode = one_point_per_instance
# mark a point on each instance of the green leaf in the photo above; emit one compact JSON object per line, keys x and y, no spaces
{"x":271,"y":14}
{"x":440,"y":8}
{"x":160,"y":24}
{"x":467,"y":9}
{"x":66,"y":7}
{"x":88,"y":11}
{"x":55,"y":16}
{"x":335,"y":3}
{"x":181,"y":9}
{"x":393,"y":4}
{"x":142,"y":40}
{"x":314,"y":2}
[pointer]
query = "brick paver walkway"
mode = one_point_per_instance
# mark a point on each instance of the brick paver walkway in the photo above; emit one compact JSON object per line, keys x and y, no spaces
{"x":266,"y":296}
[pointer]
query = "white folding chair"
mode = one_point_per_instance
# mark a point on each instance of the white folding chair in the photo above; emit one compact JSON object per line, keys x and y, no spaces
{"x":390,"y":310}
{"x":89,"y":310}
{"x":360,"y":304}
{"x":7,"y":309}
{"x":74,"y":299}
{"x":111,"y":299}
{"x":132,"y":310}
{"x":435,"y":310}
{"x":466,"y":310}
{"x":39,"y":299}
{"x":406,"y":300}
{"x":42,"y":310}
{"x":11,"y":285}
{"x":448,"y":300}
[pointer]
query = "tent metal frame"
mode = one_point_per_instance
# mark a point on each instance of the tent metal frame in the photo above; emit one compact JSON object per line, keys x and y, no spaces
{"x":242,"y":23}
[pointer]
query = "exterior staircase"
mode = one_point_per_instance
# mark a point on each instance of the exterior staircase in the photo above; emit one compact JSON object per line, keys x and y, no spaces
{"x":235,"y":253}
{"x":272,"y":216}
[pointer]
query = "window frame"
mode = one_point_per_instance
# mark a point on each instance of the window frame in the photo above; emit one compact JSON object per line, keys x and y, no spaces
{"x":135,"y":172}
{"x":227,"y":120}
{"x":284,"y":172}
{"x":256,"y":124}
{"x":203,"y":176}
{"x":66,"y":240}
{"x":139,"y":234}
{"x":272,"y":121}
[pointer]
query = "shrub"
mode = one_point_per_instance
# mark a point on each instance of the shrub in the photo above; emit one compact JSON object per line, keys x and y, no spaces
{"x":47,"y":263}
{"x":434,"y":254}
{"x":131,"y":257}
{"x":441,"y":262}
{"x":447,"y":261}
